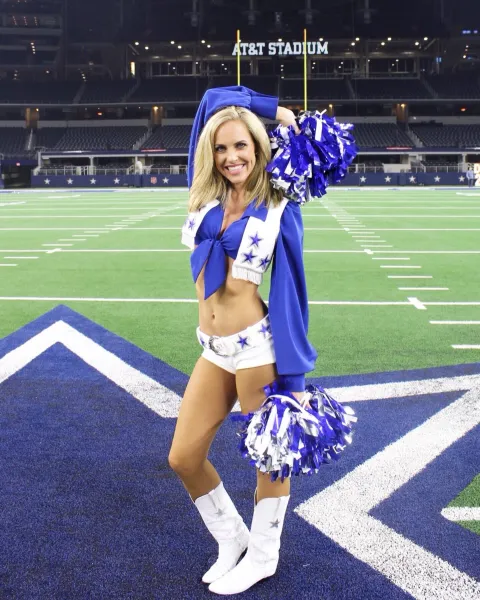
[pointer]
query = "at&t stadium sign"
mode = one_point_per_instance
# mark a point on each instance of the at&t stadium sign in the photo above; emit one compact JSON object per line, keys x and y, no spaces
{"x":279,"y":48}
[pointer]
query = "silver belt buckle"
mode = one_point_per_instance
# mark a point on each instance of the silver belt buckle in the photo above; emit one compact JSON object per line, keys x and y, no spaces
{"x":211,"y":345}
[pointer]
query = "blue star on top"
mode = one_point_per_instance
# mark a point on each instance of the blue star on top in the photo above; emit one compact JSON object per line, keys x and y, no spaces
{"x":243,"y":341}
{"x":202,"y":341}
{"x":264,"y":329}
{"x":264,"y":262}
{"x":255,"y":240}
{"x":191,"y":223}
{"x":249,"y":256}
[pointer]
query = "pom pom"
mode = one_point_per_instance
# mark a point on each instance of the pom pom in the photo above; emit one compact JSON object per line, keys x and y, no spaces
{"x":284,"y":438}
{"x":304,"y":165}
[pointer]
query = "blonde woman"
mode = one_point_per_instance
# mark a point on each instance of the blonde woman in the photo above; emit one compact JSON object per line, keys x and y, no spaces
{"x":238,"y":225}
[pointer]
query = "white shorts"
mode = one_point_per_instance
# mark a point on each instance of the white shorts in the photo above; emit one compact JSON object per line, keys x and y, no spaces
{"x":252,"y":347}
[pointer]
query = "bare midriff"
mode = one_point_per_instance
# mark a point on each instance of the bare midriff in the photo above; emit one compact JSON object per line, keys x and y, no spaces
{"x":233,"y":307}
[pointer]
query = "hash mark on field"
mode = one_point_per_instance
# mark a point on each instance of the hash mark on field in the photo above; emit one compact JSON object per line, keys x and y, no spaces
{"x":57,"y":245}
{"x":21,"y":257}
{"x":400,"y":267}
{"x":424,"y":289}
{"x":388,"y":258}
{"x":455,"y":322}
{"x":410,"y":276}
{"x":8,"y":265}
{"x":466,"y":346}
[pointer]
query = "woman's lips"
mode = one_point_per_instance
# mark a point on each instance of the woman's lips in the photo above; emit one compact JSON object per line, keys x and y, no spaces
{"x":234,"y":169}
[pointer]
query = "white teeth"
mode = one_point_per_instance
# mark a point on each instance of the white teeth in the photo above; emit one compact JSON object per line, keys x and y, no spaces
{"x":235,"y":169}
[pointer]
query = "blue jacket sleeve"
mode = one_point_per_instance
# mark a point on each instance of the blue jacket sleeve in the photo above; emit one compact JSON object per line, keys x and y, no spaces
{"x":216,"y":98}
{"x":288,"y":304}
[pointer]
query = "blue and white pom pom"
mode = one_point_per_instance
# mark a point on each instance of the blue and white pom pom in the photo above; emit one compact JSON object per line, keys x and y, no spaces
{"x":284,"y":438}
{"x":304,"y":165}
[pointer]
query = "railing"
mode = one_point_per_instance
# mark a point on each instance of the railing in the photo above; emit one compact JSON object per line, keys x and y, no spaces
{"x":437,"y":169}
{"x":63,"y":171}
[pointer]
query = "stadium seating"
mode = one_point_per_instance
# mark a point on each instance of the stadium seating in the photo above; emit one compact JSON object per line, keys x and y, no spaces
{"x":380,"y":135}
{"x":176,"y":136}
{"x":106,"y":91}
{"x":463,"y":85}
{"x":169,"y":89}
{"x":394,"y":89}
{"x":100,"y":138}
{"x":453,"y":136}
{"x":318,"y":89}
{"x":156,"y":139}
{"x":13,"y":141}
{"x":23,"y":92}
{"x":48,"y":137}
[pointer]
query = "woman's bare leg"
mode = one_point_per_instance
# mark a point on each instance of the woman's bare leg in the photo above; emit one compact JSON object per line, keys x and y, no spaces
{"x":208,"y":399}
{"x":250,"y":384}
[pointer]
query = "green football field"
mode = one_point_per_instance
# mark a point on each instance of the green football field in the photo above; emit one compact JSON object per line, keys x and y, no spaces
{"x":393,"y":275}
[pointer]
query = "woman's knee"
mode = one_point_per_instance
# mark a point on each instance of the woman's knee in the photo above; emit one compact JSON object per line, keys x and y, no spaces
{"x":184,"y":464}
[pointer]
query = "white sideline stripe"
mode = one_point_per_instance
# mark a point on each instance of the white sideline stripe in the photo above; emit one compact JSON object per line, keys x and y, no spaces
{"x":452,"y":303}
{"x":455,"y":322}
{"x":466,"y":346}
{"x":73,"y":216}
{"x":21,"y":257}
{"x":461,"y":513}
{"x":151,"y":393}
{"x":424,"y":289}
{"x":190,"y":301}
{"x":319,"y":216}
{"x":388,"y":258}
{"x":410,"y":276}
{"x":376,"y":246}
{"x":400,"y":267}
{"x":8,"y":265}
{"x":417,"y":304}
{"x":407,"y":565}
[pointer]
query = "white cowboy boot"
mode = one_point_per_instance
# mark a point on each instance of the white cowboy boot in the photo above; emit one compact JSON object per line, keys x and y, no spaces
{"x":227,"y":527}
{"x":261,"y":559}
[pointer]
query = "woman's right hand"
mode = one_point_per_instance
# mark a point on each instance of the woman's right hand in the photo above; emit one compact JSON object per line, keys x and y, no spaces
{"x":286,"y":117}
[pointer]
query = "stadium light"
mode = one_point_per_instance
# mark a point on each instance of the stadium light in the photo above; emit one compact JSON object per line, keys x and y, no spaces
{"x":209,"y":46}
{"x":389,"y":39}
{"x":425,"y":39}
{"x":352,"y":44}
{"x":203,"y":41}
{"x":320,"y":39}
{"x":172,"y":42}
{"x":417,"y":43}
{"x":137,"y":43}
{"x":383,"y":43}
{"x":147,"y":47}
{"x":463,"y":109}
{"x":464,"y":56}
{"x":179,"y":47}
{"x":357,"y":39}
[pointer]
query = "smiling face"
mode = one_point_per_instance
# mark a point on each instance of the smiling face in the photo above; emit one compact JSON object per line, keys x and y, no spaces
{"x":234,"y":152}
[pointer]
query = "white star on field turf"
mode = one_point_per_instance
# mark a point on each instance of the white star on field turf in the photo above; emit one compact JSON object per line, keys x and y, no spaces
{"x":387,"y":179}
{"x":437,"y":178}
{"x":93,"y":181}
{"x":47,"y":181}
{"x":69,"y":181}
{"x":412,"y":179}
{"x":165,"y":180}
{"x":461,"y":178}
{"x":363,"y":179}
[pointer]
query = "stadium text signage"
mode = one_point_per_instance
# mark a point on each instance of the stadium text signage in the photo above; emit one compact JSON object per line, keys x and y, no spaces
{"x":280,"y":48}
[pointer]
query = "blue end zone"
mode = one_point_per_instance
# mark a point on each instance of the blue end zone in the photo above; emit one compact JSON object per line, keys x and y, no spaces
{"x":90,"y":508}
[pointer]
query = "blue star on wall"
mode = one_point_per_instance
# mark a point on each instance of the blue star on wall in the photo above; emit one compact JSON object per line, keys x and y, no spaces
{"x":249,"y":256}
{"x":264,"y":262}
{"x":255,"y":239}
{"x":243,"y":341}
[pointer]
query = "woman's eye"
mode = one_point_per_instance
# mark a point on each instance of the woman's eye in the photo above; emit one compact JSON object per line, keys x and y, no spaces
{"x":241,"y":144}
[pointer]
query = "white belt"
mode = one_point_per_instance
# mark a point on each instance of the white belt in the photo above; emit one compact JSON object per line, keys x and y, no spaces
{"x":251,"y":337}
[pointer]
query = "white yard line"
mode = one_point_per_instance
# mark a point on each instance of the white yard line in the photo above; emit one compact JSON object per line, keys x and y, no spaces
{"x":466,"y":346}
{"x":410,"y":276}
{"x":8,"y":265}
{"x":424,"y":289}
{"x":57,"y":245}
{"x":389,"y":258}
{"x":21,"y":257}
{"x":461,"y":513}
{"x":400,"y":267}
{"x":455,"y":322}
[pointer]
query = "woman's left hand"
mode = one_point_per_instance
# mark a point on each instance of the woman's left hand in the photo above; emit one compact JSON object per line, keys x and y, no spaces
{"x":300,"y":396}
{"x":286,"y":117}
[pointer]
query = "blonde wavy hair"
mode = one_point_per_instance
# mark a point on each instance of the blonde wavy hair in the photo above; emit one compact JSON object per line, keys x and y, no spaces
{"x":209,"y":184}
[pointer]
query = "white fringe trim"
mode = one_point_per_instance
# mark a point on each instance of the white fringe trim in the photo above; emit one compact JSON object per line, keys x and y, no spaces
{"x":247,"y":274}
{"x":188,"y":240}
